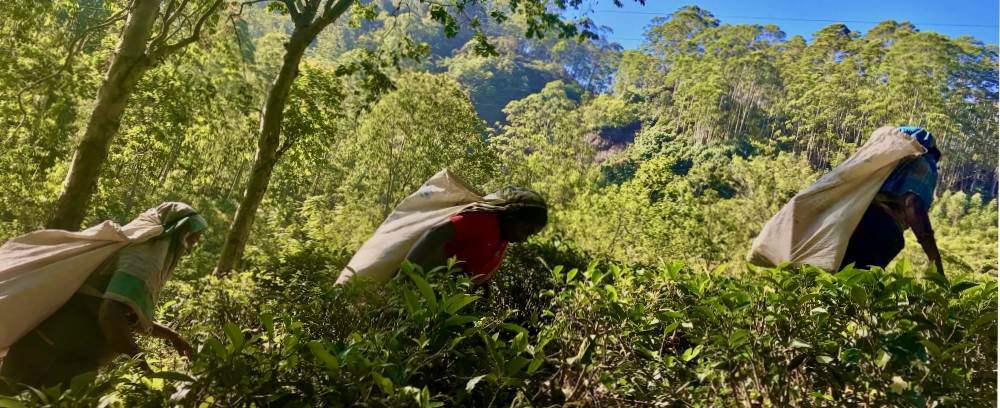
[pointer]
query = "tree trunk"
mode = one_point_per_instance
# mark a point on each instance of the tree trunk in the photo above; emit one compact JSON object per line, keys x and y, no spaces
{"x":127,"y":66}
{"x":267,"y":152}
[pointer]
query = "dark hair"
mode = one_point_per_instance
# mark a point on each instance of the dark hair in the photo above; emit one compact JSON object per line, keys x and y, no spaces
{"x":529,"y":214}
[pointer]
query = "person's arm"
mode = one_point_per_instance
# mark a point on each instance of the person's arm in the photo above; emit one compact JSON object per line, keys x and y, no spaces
{"x":429,"y":252}
{"x":112,"y":316}
{"x":163,"y":332}
{"x":918,"y":220}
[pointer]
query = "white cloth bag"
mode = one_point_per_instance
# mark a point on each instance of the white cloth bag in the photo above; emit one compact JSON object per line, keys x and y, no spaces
{"x":442,"y":196}
{"x":816,"y":225}
{"x":41,"y":270}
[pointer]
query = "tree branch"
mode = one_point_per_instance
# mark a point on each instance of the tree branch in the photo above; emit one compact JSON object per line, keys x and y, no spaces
{"x":332,"y":10}
{"x":74,"y":49}
{"x":247,"y":3}
{"x":165,"y":50}
{"x":310,"y":10}
{"x":293,"y":10}
{"x":169,"y":16}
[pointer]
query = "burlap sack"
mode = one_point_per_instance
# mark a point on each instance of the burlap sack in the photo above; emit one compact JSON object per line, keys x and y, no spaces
{"x":40,"y":271}
{"x":816,"y":225}
{"x":442,"y":196}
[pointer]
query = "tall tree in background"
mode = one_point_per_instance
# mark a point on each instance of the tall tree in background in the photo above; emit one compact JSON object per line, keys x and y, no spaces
{"x":310,"y":18}
{"x":148,"y":37}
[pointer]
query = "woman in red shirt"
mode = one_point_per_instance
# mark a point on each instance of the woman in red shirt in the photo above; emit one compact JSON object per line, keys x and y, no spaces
{"x":477,"y":237}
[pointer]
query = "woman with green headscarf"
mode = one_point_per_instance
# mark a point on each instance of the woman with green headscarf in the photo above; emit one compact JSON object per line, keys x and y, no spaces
{"x":117,"y":301}
{"x":477,"y":237}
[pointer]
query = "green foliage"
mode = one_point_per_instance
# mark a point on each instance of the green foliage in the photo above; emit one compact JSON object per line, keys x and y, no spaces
{"x":425,"y":125}
{"x":494,"y":81}
{"x":966,"y":231}
{"x":542,"y":146}
{"x":49,"y":67}
{"x":594,"y":334}
{"x":706,"y":132}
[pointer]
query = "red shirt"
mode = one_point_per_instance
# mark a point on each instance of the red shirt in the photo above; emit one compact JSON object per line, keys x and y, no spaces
{"x":477,"y":244}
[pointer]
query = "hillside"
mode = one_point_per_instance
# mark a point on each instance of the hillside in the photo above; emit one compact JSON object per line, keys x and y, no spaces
{"x":660,"y":165}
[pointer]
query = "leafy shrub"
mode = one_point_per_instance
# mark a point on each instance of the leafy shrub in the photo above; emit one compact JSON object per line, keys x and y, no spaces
{"x":590,"y":333}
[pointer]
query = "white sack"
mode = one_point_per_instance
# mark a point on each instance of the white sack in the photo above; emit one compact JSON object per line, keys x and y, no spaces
{"x":816,"y":225}
{"x":442,"y":196}
{"x":41,"y":270}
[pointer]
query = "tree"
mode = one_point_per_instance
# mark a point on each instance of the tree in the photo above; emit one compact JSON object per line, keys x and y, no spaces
{"x":310,"y":18}
{"x":544,"y":146}
{"x":138,"y":50}
{"x":48,"y":66}
{"x":426,"y":124}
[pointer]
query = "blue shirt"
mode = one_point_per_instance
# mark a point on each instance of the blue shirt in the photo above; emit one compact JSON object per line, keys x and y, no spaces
{"x":918,"y":175}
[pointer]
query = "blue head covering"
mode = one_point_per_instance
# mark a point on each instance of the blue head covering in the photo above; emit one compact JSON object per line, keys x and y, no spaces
{"x":925,"y":138}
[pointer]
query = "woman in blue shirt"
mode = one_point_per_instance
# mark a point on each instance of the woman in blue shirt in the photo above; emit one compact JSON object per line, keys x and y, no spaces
{"x":903,"y":202}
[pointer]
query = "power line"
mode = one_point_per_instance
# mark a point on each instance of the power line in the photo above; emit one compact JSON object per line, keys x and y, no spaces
{"x":813,"y":20}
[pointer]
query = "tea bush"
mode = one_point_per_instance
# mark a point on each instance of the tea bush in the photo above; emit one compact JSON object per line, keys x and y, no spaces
{"x":587,"y":334}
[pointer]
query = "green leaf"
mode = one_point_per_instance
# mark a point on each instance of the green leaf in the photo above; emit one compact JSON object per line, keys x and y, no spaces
{"x":738,"y":338}
{"x":234,"y":334}
{"x":824,"y":359}
{"x":583,"y":353}
{"x":933,"y":348}
{"x":557,"y":272}
{"x":7,"y":402}
{"x":459,"y":320}
{"x":425,"y":290}
{"x":410,"y":300}
{"x":469,"y":386}
{"x":571,"y":274}
{"x":847,"y":274}
{"x":536,"y":363}
{"x":514,"y":366}
{"x":882,"y":358}
{"x":962,"y":286}
{"x":859,"y":295}
{"x":516,"y":328}
{"x":457,"y":301}
{"x":384,"y":384}
{"x":670,"y":328}
{"x":329,"y":360}
{"x":216,"y":347}
{"x":107,"y":400}
{"x":938,"y":279}
{"x":649,"y":354}
{"x":983,"y":321}
{"x":425,"y":399}
{"x":267,"y":320}
{"x":691,"y":353}
{"x":796,"y":343}
{"x":80,"y":382}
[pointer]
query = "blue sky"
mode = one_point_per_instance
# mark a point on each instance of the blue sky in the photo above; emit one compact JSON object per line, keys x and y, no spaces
{"x":977,"y":18}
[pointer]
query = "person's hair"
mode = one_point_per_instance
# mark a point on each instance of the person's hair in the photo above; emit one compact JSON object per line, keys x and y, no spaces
{"x":529,"y":214}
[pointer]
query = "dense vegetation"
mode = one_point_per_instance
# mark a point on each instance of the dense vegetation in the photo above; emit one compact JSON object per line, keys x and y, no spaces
{"x":661,"y":164}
